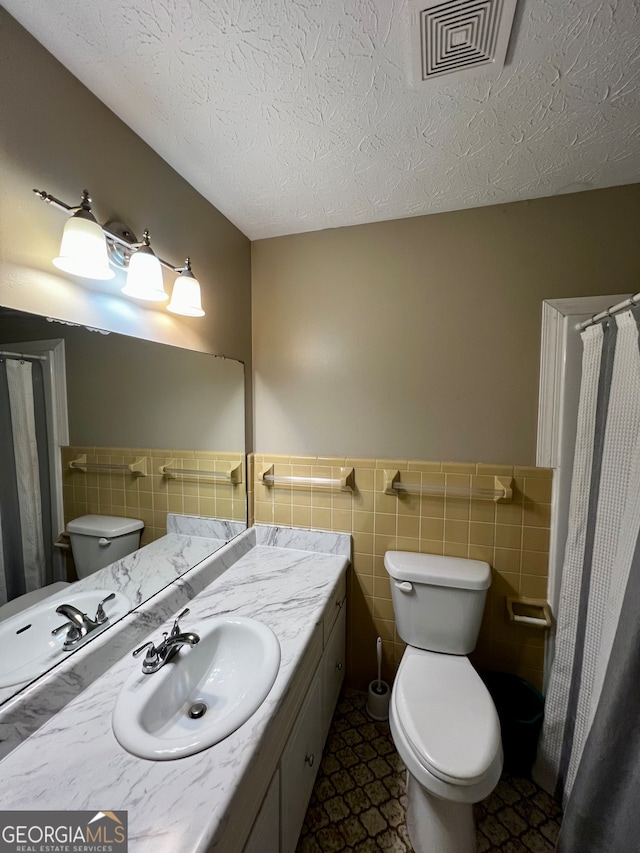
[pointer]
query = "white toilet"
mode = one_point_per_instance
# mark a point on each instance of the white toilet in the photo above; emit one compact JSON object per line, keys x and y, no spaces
{"x":97,"y":540}
{"x":443,"y":721}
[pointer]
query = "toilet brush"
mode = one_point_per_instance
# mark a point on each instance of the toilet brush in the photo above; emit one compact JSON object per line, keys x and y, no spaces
{"x":379,"y":692}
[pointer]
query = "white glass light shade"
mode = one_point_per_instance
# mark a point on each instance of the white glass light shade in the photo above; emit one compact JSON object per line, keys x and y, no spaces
{"x":185,"y":298}
{"x":144,"y":279}
{"x":83,"y":250}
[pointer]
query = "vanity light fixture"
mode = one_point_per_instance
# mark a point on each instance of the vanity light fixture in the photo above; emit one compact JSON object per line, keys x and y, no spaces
{"x":185,"y":298}
{"x":91,"y":250}
{"x":144,"y":278}
{"x":83,"y":250}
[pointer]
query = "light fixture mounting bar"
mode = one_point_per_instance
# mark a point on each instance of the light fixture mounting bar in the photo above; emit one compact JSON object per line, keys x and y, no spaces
{"x":50,"y":199}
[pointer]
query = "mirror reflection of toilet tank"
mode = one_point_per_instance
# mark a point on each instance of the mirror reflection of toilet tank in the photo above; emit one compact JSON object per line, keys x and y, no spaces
{"x":98,"y":540}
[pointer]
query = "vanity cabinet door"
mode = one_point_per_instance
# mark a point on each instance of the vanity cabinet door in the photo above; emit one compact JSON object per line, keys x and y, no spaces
{"x":265,"y":835}
{"x":299,"y":766}
{"x":334,"y":608}
{"x":333,"y":666}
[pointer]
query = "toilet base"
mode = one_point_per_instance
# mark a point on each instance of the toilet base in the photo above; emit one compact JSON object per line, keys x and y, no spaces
{"x":438,"y":826}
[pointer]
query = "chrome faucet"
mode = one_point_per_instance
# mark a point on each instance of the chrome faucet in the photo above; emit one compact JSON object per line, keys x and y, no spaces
{"x":78,"y":624}
{"x":172,"y":642}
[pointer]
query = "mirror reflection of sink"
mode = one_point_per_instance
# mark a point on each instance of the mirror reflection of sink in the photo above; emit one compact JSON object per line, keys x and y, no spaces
{"x":203,"y":695}
{"x":29,"y":648}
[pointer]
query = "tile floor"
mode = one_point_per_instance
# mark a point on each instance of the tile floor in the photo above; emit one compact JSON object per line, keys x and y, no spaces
{"x":358,"y":802}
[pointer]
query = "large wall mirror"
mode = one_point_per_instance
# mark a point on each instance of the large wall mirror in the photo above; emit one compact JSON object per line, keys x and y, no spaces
{"x":119,"y":427}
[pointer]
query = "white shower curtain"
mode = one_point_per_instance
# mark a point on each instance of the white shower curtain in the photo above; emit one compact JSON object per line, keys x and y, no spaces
{"x":604,"y":525}
{"x":27,"y":481}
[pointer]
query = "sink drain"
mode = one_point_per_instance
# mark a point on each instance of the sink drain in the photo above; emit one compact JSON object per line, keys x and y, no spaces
{"x":198,"y":710}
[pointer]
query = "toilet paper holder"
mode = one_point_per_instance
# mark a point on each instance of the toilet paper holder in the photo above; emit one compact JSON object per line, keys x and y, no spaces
{"x":534,"y":612}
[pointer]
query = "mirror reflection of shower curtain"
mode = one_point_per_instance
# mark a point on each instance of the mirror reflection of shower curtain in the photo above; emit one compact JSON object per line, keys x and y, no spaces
{"x":25,"y":495}
{"x":599,"y":604}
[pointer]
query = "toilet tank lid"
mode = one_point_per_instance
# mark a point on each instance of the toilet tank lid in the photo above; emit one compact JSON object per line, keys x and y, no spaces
{"x":455,"y":572}
{"x":104,"y":525}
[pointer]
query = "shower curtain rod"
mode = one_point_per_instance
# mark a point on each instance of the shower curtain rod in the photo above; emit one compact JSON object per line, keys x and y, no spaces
{"x":631,"y":302}
{"x":23,"y":356}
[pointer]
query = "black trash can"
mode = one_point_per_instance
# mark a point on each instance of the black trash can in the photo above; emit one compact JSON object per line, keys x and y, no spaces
{"x":520,"y":709}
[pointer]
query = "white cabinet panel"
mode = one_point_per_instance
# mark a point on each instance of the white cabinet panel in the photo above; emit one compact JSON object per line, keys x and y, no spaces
{"x":333,"y":666}
{"x":299,"y":766}
{"x":334,"y":608}
{"x":265,"y":835}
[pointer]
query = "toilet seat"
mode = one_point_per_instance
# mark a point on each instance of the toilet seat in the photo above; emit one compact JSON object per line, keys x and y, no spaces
{"x":445,"y":725}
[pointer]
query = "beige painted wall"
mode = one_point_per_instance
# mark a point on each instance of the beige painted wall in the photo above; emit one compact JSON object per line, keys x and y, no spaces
{"x":420,"y":338}
{"x":55,"y":135}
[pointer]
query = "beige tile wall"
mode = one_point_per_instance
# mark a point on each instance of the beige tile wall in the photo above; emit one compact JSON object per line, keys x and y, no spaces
{"x":150,"y":498}
{"x":512,"y":537}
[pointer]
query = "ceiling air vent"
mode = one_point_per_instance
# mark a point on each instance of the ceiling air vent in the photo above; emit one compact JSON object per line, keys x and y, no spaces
{"x":457,"y":37}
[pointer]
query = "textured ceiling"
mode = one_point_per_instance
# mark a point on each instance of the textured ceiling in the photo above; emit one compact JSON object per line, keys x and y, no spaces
{"x":297,"y":115}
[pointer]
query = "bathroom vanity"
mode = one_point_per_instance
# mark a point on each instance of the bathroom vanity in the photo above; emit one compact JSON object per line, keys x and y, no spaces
{"x":250,"y":791}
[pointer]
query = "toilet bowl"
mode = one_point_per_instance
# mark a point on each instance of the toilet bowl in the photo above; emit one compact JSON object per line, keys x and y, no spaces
{"x":99,"y":540}
{"x":443,"y":721}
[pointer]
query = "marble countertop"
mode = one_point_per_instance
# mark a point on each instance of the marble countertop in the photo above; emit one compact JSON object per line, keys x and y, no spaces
{"x":22,"y":714}
{"x":145,"y":572}
{"x":74,"y":761}
{"x":138,"y":576}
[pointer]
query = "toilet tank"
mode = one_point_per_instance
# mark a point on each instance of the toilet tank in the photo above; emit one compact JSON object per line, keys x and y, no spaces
{"x":98,"y":540}
{"x":438,"y":601}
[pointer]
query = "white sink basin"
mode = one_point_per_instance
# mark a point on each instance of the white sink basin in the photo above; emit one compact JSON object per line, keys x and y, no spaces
{"x":231,"y":671}
{"x":29,"y":649}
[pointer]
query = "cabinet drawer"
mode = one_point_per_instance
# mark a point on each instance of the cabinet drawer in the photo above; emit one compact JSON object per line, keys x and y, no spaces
{"x":335,"y":606}
{"x":265,"y":835}
{"x":299,"y":766}
{"x":333,"y":664}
